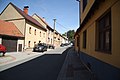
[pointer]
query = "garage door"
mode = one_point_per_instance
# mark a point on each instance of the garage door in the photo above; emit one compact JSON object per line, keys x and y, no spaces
{"x":11,"y":44}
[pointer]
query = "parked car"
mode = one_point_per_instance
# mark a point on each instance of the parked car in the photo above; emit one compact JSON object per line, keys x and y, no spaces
{"x":64,"y":44}
{"x":2,"y":49}
{"x":50,"y":46}
{"x":40,"y":47}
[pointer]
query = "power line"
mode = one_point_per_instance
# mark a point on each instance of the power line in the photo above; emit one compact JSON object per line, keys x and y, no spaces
{"x":62,"y":25}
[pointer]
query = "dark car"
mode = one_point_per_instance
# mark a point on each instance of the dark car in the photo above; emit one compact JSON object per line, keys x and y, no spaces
{"x":50,"y":46}
{"x":41,"y":47}
{"x":2,"y":49}
{"x":62,"y":45}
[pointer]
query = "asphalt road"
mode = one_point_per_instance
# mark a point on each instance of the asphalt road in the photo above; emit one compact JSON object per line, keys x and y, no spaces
{"x":45,"y":67}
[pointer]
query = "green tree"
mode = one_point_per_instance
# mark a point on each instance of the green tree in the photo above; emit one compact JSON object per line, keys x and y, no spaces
{"x":70,"y":35}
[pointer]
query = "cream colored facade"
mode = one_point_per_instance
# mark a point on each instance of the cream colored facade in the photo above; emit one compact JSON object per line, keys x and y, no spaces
{"x":50,"y":36}
{"x":90,"y":26}
{"x":57,"y":39}
{"x":49,"y":33}
{"x":11,"y":14}
{"x":35,"y":36}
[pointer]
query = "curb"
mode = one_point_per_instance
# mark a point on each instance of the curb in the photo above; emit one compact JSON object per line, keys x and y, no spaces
{"x":12,"y":64}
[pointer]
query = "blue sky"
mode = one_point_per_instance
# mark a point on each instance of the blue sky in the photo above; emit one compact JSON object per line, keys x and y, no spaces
{"x":65,"y":11}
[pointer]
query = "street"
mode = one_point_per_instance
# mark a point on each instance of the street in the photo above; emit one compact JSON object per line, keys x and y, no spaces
{"x":45,"y":67}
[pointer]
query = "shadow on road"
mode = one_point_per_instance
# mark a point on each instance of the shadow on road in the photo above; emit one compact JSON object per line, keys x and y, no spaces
{"x":46,"y":67}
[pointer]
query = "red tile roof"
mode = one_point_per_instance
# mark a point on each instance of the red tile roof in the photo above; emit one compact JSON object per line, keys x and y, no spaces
{"x":9,"y":29}
{"x":27,"y":17}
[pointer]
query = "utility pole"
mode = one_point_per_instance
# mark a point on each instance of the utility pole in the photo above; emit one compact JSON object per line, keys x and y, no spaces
{"x":54,"y":30}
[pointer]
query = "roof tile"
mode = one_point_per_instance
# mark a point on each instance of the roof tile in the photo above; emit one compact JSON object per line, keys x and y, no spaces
{"x":8,"y":28}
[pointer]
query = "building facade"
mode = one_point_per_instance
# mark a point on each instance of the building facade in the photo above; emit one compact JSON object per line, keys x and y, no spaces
{"x":32,"y":30}
{"x":11,"y":37}
{"x":97,"y":38}
{"x":49,"y":33}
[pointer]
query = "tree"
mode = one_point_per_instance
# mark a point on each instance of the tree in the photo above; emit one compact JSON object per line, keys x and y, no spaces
{"x":70,"y":35}
{"x":65,"y":34}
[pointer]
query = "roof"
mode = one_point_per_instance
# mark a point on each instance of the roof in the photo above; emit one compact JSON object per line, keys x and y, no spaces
{"x":27,"y":17}
{"x":9,"y":29}
{"x":43,"y":21}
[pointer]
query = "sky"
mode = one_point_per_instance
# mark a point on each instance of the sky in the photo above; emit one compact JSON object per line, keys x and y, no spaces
{"x":66,"y":12}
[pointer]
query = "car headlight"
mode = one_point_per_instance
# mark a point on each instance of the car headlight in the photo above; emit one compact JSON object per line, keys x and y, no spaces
{"x":40,"y":48}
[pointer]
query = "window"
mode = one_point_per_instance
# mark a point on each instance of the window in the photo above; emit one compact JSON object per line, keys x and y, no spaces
{"x":35,"y":32}
{"x":40,"y":33}
{"x":34,"y":43}
{"x":30,"y":30}
{"x":29,"y":44}
{"x":104,"y":33}
{"x":84,"y":38}
{"x":48,"y":32}
{"x":51,"y":41}
{"x":44,"y":35}
{"x":48,"y":39}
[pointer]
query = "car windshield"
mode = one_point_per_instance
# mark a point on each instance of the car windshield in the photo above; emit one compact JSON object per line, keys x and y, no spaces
{"x":40,"y":44}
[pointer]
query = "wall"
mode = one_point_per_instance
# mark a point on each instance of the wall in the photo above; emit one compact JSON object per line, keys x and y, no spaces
{"x":112,"y":58}
{"x":32,"y":37}
{"x":39,"y":20}
{"x":20,"y":24}
{"x":76,"y":46}
{"x":49,"y":35}
{"x":88,"y":6}
{"x":11,"y":14}
{"x":105,"y":66}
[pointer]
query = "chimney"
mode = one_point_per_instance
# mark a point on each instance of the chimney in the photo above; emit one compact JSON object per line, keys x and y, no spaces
{"x":43,"y":18}
{"x":26,"y":9}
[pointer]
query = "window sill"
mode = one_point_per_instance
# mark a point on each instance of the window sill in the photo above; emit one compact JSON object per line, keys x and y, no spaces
{"x":104,"y":52}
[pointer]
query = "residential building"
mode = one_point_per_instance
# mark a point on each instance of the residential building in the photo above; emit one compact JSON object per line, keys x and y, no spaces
{"x":11,"y":37}
{"x":64,"y":39}
{"x":57,"y":40}
{"x":49,"y":33}
{"x":32,"y":30}
{"x":97,"y":40}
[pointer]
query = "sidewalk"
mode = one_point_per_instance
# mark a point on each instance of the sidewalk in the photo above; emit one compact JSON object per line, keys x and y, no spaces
{"x":73,"y":69}
{"x":12,"y":59}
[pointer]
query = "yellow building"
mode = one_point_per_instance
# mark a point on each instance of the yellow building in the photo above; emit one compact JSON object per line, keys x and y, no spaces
{"x":56,"y":39}
{"x":32,"y":30}
{"x":97,"y":40}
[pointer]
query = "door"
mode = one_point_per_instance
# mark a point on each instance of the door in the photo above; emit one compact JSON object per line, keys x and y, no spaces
{"x":10,"y":44}
{"x":20,"y":48}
